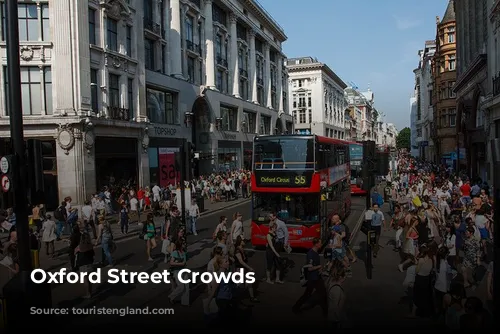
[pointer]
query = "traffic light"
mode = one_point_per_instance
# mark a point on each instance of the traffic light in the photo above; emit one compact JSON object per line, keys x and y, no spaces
{"x":382,"y":163}
{"x":369,"y":155}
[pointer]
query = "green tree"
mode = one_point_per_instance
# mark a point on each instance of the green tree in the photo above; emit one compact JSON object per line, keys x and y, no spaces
{"x":403,"y":140}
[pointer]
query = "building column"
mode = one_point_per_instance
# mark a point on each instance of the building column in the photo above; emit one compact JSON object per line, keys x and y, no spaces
{"x":209,"y":45}
{"x":279,"y":82}
{"x":252,"y":69}
{"x":62,"y":64}
{"x":233,"y":19}
{"x":267,"y":75}
{"x":175,"y":39}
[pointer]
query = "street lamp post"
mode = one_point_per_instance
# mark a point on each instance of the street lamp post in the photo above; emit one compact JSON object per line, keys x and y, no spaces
{"x":20,"y":293}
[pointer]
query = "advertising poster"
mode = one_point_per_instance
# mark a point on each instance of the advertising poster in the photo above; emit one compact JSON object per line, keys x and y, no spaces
{"x":168,"y":169}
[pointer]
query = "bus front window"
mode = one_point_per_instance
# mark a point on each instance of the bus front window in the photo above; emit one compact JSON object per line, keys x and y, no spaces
{"x":284,"y":153}
{"x":290,"y":208}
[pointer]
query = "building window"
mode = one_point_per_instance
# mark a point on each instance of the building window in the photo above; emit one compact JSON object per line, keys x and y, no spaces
{"x":452,"y":63}
{"x":114,"y":90}
{"x":47,"y":79}
{"x":92,"y":27}
{"x":148,"y":9}
{"x":250,"y":118}
{"x":129,"y":41}
{"x":310,"y":116}
{"x":162,"y":106}
{"x":218,"y":15}
{"x":243,"y":89}
{"x":451,"y":93}
{"x":45,"y":23}
{"x":130,"y":93}
{"x":190,"y":69}
{"x":302,"y":116}
{"x":451,"y":35}
{"x":149,"y":54}
{"x":188,"y":25}
{"x":219,"y":80}
{"x":452,"y":117}
{"x":29,"y":26}
{"x":229,"y":118}
{"x":94,"y":84}
{"x":265,"y":125}
{"x":260,"y":95}
{"x":31,"y":90}
{"x":112,"y":42}
{"x":444,"y":92}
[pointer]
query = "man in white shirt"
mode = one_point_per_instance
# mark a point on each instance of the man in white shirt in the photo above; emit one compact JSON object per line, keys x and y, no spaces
{"x":194,"y":213}
{"x":134,"y":210}
{"x":87,"y":214}
{"x":156,"y":193}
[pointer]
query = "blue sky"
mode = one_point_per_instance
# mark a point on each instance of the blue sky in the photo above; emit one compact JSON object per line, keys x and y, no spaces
{"x":373,"y":43}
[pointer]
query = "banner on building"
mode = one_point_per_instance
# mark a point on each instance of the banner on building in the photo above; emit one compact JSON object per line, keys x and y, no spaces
{"x":169,"y":170}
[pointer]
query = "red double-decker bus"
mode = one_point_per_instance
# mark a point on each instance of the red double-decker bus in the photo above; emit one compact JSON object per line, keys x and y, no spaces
{"x":305,"y":180}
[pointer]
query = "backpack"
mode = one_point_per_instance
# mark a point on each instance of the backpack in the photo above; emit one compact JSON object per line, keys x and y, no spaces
{"x":85,"y":244}
{"x":58,"y":214}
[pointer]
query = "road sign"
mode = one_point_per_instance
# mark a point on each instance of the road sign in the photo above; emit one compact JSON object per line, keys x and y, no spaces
{"x":5,"y":183}
{"x":4,"y":165}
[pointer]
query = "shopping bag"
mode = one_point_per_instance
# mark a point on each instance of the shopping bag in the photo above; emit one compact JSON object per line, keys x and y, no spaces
{"x":165,"y":246}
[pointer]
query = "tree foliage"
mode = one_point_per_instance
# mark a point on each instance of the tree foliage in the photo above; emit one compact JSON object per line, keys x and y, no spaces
{"x":403,"y":140}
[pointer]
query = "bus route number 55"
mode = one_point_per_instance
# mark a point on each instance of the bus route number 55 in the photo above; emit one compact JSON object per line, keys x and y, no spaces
{"x":300,"y":180}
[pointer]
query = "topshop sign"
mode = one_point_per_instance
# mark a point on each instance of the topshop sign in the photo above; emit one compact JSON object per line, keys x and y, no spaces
{"x":159,"y":131}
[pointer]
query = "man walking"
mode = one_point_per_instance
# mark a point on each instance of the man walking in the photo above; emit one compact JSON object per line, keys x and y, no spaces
{"x":313,"y":277}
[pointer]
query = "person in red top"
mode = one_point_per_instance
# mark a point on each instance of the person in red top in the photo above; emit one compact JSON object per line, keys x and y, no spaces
{"x":465,"y":190}
{"x":140,"y":197}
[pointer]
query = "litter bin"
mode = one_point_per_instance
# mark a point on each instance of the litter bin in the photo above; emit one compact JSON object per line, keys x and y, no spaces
{"x":200,"y":200}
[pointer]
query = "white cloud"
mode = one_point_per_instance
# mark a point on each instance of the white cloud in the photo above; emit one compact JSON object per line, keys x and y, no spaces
{"x":404,"y":23}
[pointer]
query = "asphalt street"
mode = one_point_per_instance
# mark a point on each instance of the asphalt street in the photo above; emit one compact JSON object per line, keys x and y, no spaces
{"x":131,"y":255}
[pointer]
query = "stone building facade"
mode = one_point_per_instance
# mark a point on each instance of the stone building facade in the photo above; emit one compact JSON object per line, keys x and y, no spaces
{"x":112,"y":87}
{"x":444,"y":71}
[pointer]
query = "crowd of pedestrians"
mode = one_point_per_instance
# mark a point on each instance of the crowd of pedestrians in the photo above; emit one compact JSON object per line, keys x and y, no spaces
{"x":443,"y":229}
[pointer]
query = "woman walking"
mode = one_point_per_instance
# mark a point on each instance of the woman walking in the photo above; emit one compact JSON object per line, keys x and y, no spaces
{"x":49,"y":235}
{"x":105,"y":237}
{"x":149,"y":231}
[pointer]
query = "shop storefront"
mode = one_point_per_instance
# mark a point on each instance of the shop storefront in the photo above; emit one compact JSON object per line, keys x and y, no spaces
{"x":164,"y":156}
{"x":164,"y":161}
{"x":228,"y":155}
{"x":116,"y":161}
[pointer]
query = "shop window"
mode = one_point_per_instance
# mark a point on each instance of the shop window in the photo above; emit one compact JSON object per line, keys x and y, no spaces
{"x":162,"y":106}
{"x":229,"y":118}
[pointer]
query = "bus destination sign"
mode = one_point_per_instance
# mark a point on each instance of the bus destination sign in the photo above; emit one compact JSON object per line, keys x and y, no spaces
{"x":294,"y":179}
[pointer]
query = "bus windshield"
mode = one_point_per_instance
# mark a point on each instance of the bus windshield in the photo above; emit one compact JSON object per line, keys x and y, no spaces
{"x":284,"y":153}
{"x":291,"y":208}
